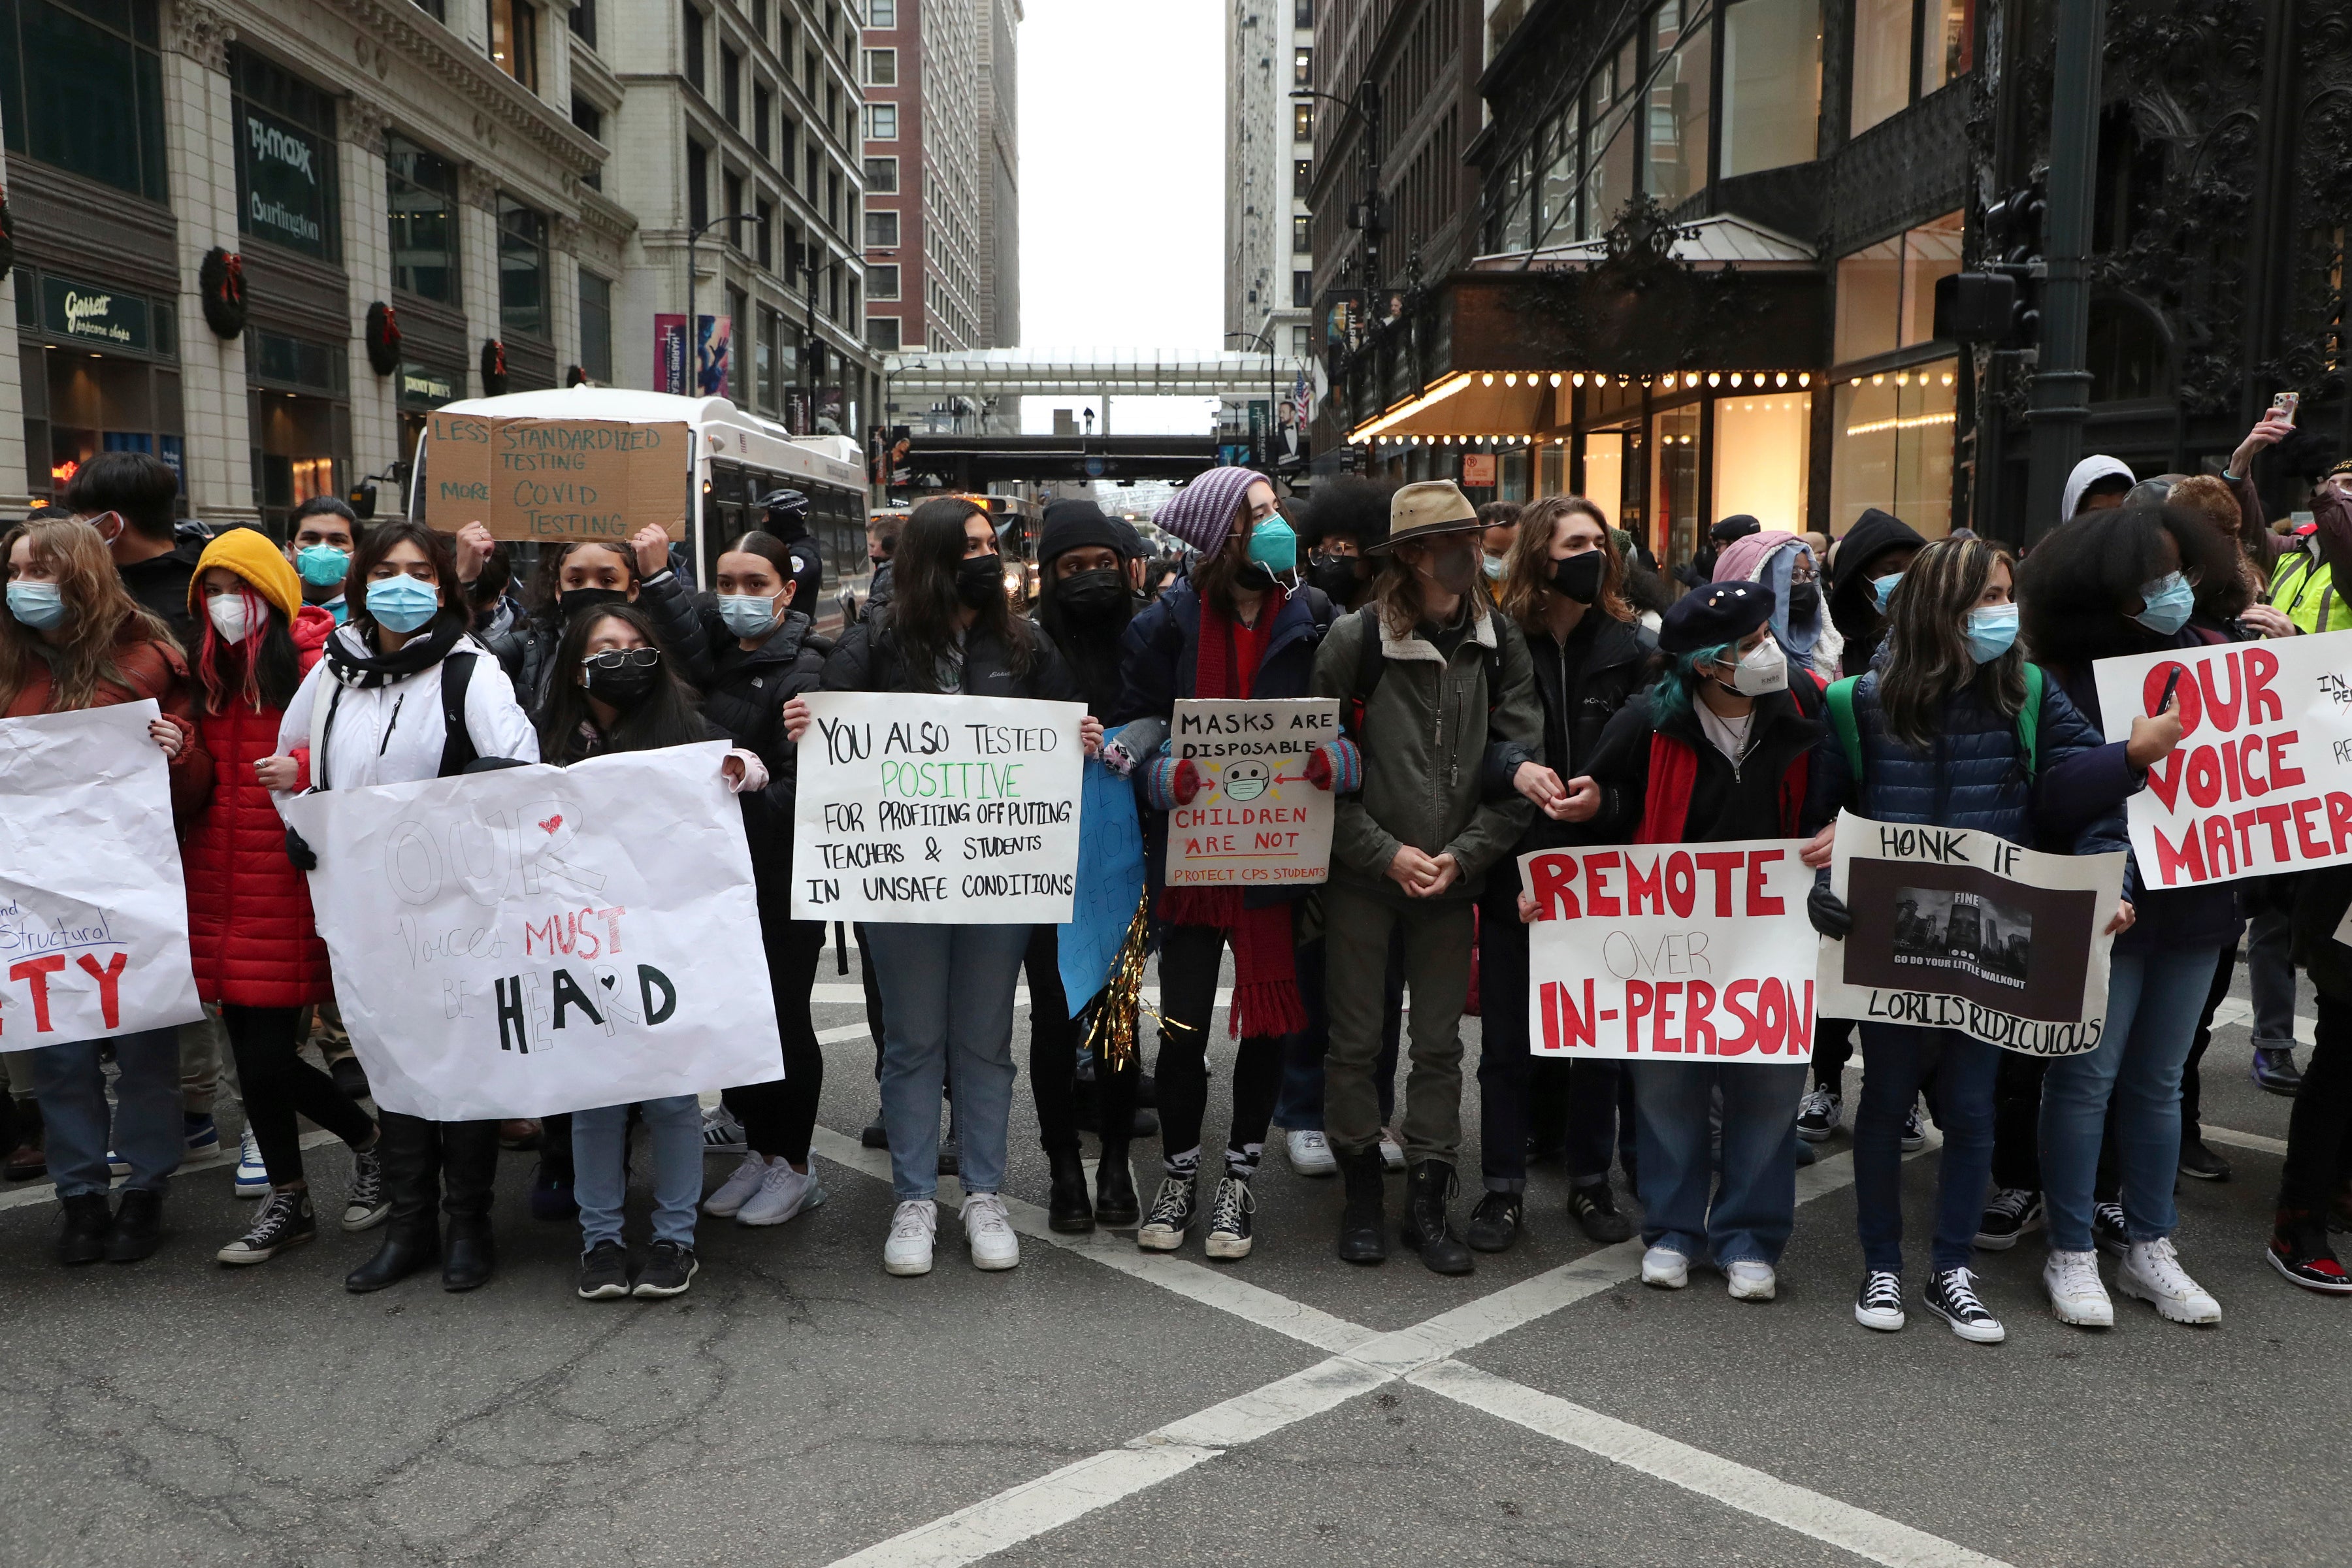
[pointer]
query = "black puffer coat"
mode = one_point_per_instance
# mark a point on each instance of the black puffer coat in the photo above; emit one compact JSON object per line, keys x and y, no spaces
{"x":1581,"y":683}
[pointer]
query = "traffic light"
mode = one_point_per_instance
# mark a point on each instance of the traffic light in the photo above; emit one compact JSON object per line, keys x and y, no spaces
{"x":2014,"y":240}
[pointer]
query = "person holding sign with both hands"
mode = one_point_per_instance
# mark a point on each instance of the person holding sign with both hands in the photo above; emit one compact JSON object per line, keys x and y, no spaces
{"x":947,"y":990}
{"x":1953,"y":729}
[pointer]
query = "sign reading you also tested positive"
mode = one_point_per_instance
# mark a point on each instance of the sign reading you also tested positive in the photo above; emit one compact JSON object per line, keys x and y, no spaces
{"x":557,"y":478}
{"x":1257,"y":820}
{"x":937,"y":810}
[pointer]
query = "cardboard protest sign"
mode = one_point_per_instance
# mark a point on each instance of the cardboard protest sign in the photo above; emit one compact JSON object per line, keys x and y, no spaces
{"x":1257,"y":820}
{"x":93,"y":912}
{"x":1671,"y":952}
{"x":542,"y":939}
{"x":1956,"y":929}
{"x":558,"y":479}
{"x":2262,"y":782}
{"x":1109,"y":885}
{"x":937,"y":810}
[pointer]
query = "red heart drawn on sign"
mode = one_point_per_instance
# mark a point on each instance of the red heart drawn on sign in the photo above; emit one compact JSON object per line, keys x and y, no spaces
{"x":551,"y":824}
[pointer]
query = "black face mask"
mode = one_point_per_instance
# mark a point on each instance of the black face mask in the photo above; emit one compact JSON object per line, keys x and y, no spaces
{"x":1805,"y":598}
{"x":977,"y":577}
{"x":571,"y":601}
{"x":1335,"y":574}
{"x":1578,"y":576}
{"x":624,"y":683}
{"x":1095,"y":595}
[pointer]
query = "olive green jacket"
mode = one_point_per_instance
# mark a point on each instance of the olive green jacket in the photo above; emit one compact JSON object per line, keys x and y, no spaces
{"x":1425,"y":730}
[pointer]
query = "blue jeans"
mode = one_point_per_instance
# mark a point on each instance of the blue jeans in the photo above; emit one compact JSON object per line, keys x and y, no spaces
{"x":1898,"y":1061}
{"x":947,"y":1016}
{"x":1752,"y":1181}
{"x":600,"y":1139}
{"x":146,"y":1128}
{"x":2153,"y":1002}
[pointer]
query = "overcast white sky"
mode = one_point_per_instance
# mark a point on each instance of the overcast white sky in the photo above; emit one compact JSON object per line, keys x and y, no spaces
{"x":1122,"y":183}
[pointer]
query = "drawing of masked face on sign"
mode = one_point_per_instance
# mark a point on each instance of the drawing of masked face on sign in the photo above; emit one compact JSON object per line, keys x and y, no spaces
{"x":1246,"y":781}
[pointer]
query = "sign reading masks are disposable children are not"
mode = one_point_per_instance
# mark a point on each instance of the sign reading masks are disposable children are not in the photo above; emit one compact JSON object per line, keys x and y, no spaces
{"x":1257,"y":821}
{"x":937,"y":810}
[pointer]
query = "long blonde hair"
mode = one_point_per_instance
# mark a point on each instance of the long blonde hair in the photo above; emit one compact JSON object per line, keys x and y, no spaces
{"x":1526,"y":570}
{"x":101,"y":616}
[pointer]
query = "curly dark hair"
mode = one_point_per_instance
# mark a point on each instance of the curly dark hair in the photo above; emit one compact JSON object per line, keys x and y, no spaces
{"x":2078,"y":590}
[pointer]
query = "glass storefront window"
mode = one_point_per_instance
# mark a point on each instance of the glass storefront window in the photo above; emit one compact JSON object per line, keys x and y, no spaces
{"x":1882,"y":61}
{"x":1894,"y":447}
{"x":1771,"y":83}
{"x":1763,"y":452}
{"x":1516,"y":234}
{"x":1674,"y":483}
{"x":95,"y":72}
{"x":1609,"y":149}
{"x":1886,"y":292}
{"x":422,"y":190}
{"x":1948,"y":45}
{"x":522,"y":268}
{"x":1678,"y":96}
{"x":284,"y":131}
{"x":1604,"y":475}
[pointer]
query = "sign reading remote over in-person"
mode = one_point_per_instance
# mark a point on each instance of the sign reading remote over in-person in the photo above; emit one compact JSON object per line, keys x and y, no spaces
{"x":1957,"y":928}
{"x":937,"y":810}
{"x":556,"y":479}
{"x":1256,"y":820}
{"x":1671,"y":952}
{"x":2262,"y":782}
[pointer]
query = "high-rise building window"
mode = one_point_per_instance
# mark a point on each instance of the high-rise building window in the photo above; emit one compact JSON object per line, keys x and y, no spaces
{"x":1303,"y":14}
{"x":881,"y":282}
{"x":1678,"y":89}
{"x":881,"y":68}
{"x":1302,"y":123}
{"x":285,"y":135}
{"x":1302,"y":177}
{"x":1302,"y":236}
{"x":768,"y":369}
{"x":1771,"y":84}
{"x":764,"y":112}
{"x":882,"y":332}
{"x":514,"y":40}
{"x":881,"y":122}
{"x":731,"y":186}
{"x":731,"y":85}
{"x":762,"y":239}
{"x":583,"y":22}
{"x":100,"y":57}
{"x":522,"y":268}
{"x":833,"y":201}
{"x":1302,"y":342}
{"x":596,"y":327}
{"x":881,"y":176}
{"x":422,"y":196}
{"x":1302,"y":290}
{"x":692,"y":45}
{"x":739,"y":320}
{"x":881,"y":230}
{"x":1302,"y":67}
{"x":697,"y":185}
{"x":881,"y":13}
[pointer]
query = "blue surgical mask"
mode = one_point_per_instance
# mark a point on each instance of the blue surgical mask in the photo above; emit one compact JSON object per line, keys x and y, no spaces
{"x":1993,"y":631}
{"x":322,"y":565}
{"x":1883,"y":588}
{"x":39,"y":606}
{"x":2168,"y":601}
{"x":402,"y":603}
{"x":1274,"y":545}
{"x":1494,"y":568}
{"x":747,"y":615}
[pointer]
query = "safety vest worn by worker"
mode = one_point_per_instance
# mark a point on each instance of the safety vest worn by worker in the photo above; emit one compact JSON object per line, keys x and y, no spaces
{"x":2303,"y":590}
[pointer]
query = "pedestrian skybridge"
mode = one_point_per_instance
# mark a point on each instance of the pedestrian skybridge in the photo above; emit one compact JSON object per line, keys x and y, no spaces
{"x":1056,"y":373}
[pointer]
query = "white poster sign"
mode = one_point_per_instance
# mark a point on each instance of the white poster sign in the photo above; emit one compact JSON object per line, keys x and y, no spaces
{"x":938,"y":810}
{"x":94,"y":913}
{"x":1956,"y":929}
{"x":540,"y":939}
{"x":2262,"y":782}
{"x":1671,"y":952}
{"x":1256,"y":820}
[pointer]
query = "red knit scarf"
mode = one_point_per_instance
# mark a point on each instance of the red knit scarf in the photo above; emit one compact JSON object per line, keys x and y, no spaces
{"x":1265,"y":990}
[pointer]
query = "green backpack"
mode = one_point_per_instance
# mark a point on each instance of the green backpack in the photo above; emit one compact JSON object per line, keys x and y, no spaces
{"x":2028,"y":721}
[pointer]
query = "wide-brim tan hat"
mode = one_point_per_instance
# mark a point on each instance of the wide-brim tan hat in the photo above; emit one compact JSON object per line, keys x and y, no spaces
{"x":1425,"y":510}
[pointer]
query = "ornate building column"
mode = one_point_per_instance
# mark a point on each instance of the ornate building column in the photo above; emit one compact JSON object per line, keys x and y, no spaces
{"x":201,"y":160}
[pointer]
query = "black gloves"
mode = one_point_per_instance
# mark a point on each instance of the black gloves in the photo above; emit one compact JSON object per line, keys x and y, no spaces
{"x":1828,"y":912}
{"x":298,"y":850}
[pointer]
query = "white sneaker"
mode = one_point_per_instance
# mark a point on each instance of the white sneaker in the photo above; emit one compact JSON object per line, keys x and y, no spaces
{"x":2151,"y":1271}
{"x":737,"y":1187}
{"x":722,"y":1134}
{"x":1310,"y":1155}
{"x":1665,"y":1269}
{"x":988,"y":1230}
{"x":783,"y":1193}
{"x":252,"y":1178}
{"x":908,"y":1250}
{"x":1751,"y":1280}
{"x":1391,"y":1153}
{"x":2077,"y":1294}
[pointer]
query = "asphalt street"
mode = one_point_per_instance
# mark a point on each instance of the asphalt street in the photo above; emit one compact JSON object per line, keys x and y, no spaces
{"x":799,"y":1406}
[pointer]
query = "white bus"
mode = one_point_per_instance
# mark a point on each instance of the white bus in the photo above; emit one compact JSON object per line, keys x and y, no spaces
{"x":738,"y":458}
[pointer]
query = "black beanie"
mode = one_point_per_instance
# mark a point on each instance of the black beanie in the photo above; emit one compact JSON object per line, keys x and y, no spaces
{"x":1072,"y":524}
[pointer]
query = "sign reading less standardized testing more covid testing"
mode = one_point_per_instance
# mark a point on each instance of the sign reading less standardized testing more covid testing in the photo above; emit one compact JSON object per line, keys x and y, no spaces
{"x":557,"y":478}
{"x":937,"y":810}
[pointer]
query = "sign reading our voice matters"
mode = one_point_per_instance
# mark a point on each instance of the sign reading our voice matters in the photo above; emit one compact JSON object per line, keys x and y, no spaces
{"x":937,"y":810}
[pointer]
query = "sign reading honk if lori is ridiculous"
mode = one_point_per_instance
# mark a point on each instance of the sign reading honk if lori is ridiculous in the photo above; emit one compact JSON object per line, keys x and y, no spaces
{"x":1257,"y":819}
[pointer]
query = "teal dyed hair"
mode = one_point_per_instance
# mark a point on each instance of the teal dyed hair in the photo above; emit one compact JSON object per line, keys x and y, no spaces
{"x":1672,"y":695}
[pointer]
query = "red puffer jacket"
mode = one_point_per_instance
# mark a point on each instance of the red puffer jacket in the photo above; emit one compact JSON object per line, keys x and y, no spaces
{"x":249,"y":927}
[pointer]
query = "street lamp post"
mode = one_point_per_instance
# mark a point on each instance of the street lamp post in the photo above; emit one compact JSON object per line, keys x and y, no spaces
{"x":1265,"y":339}
{"x":693,"y":323}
